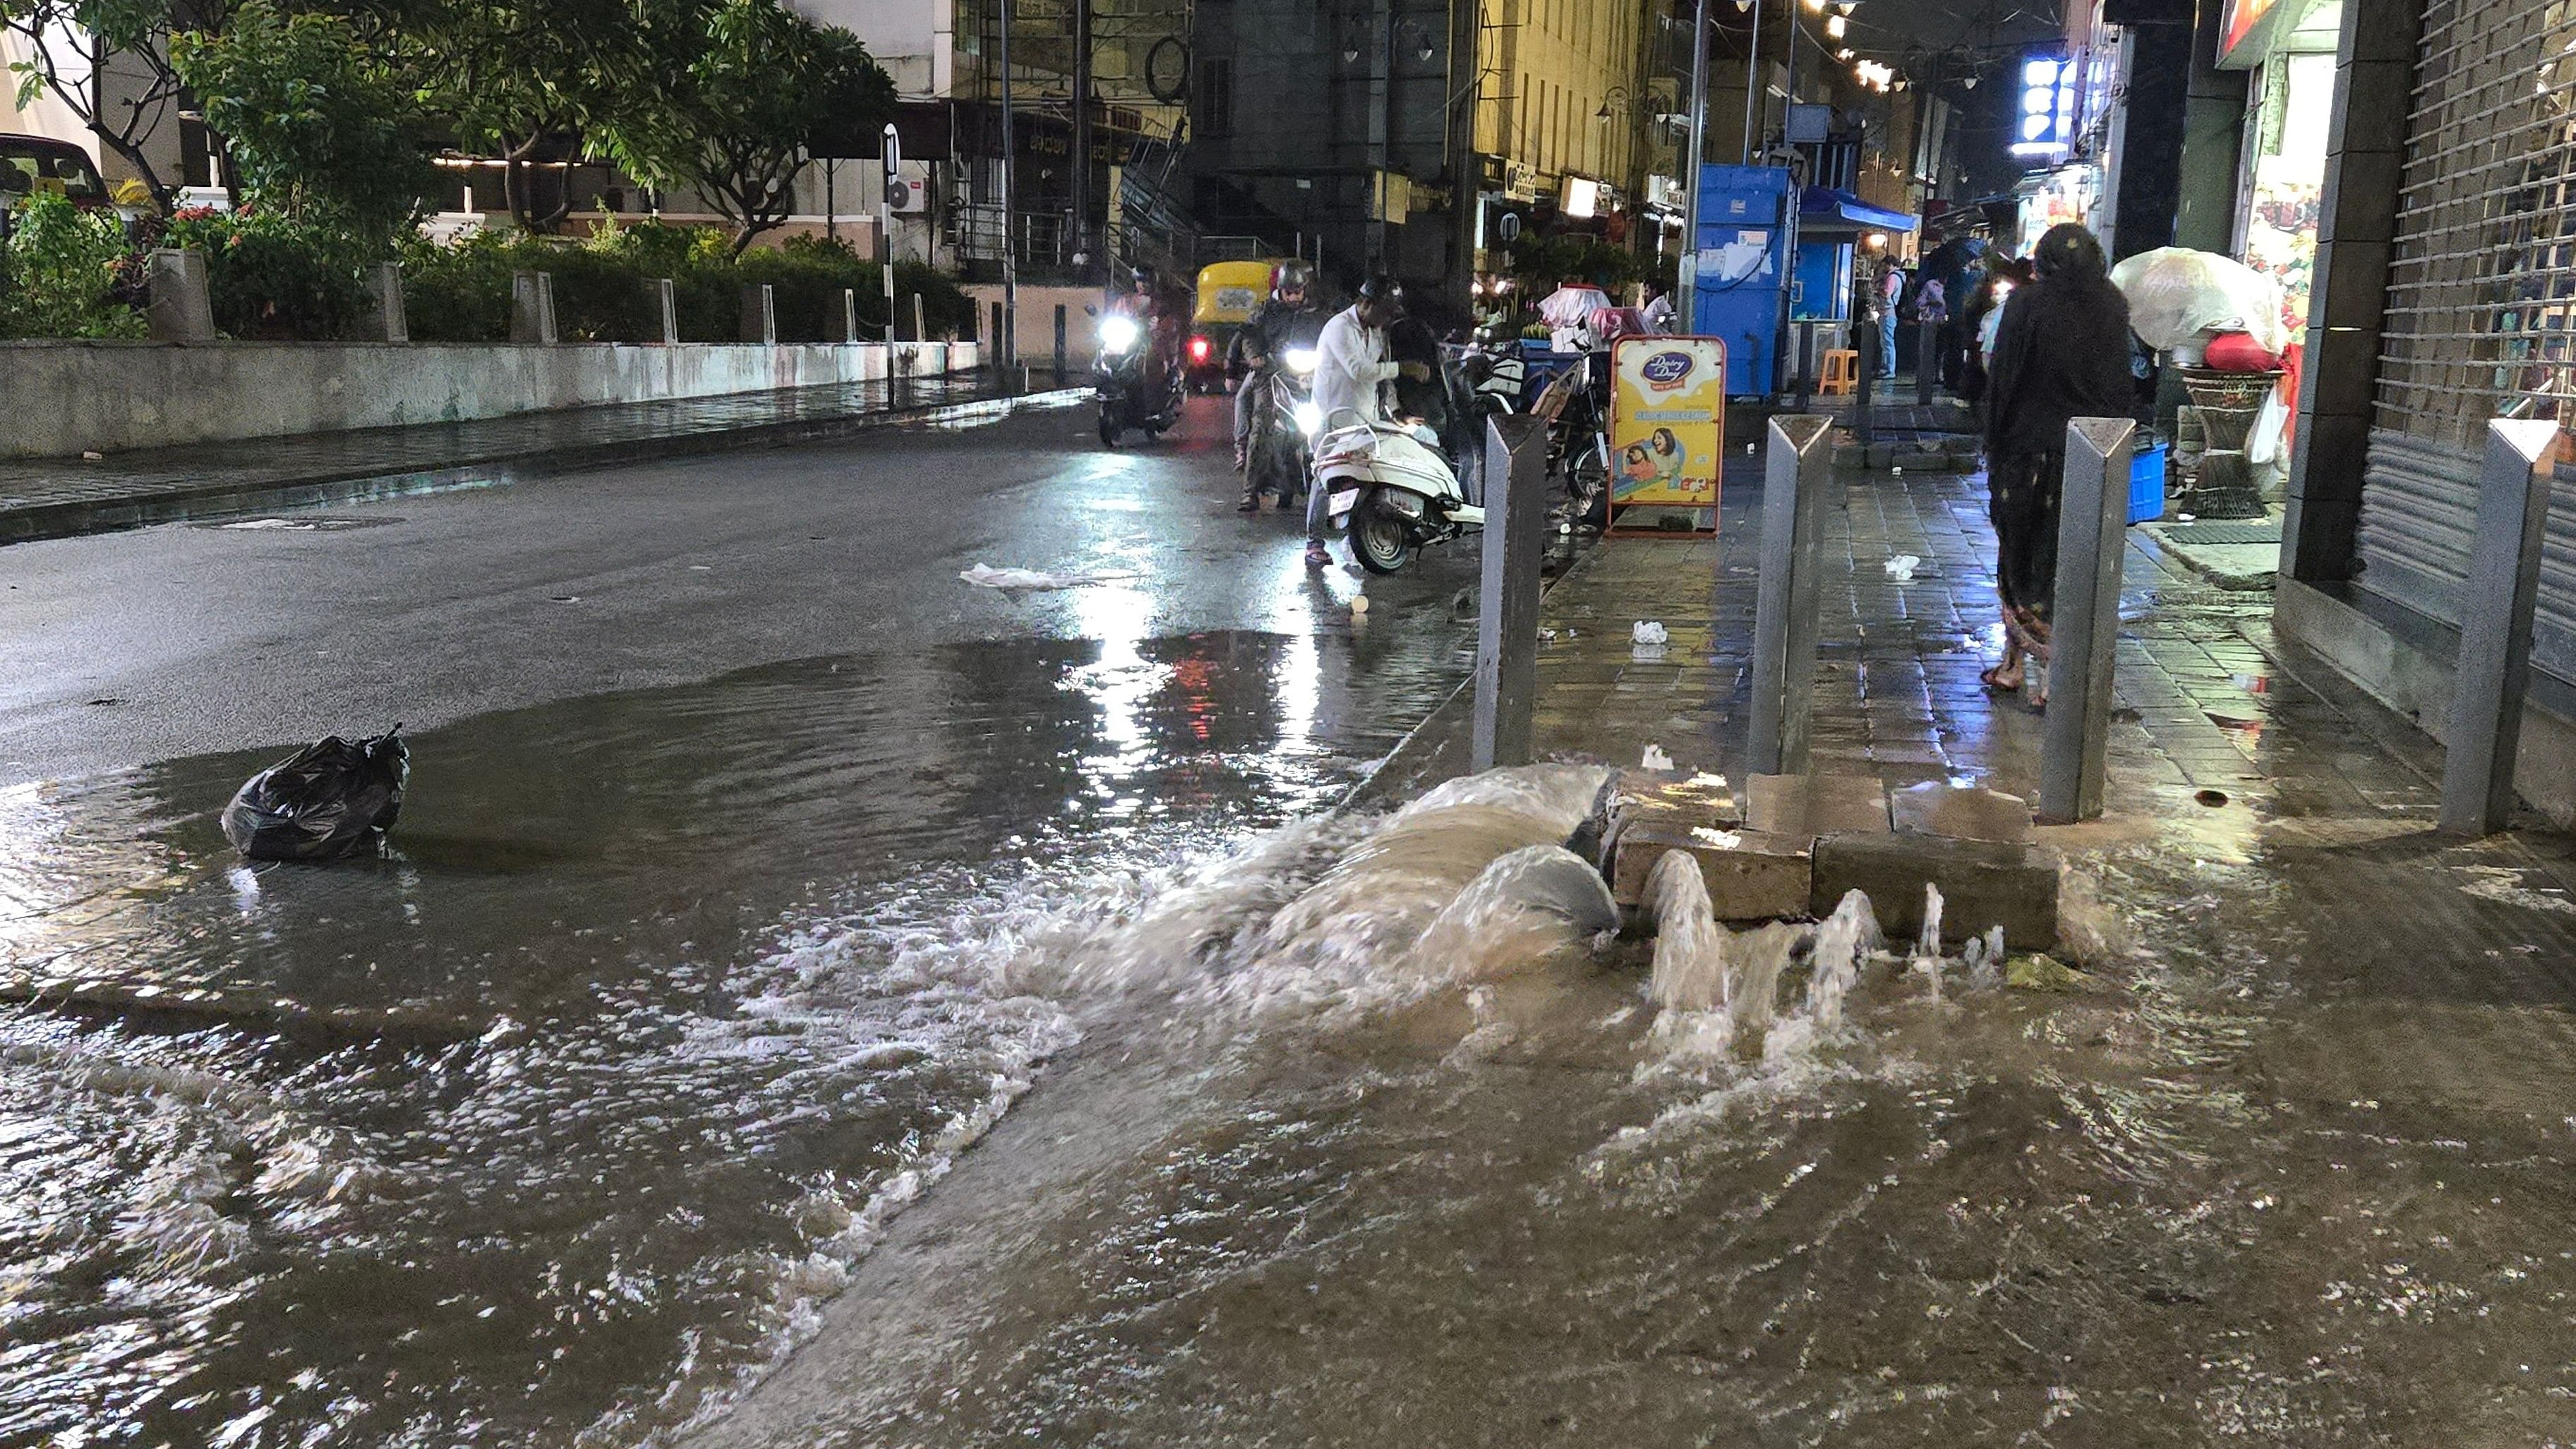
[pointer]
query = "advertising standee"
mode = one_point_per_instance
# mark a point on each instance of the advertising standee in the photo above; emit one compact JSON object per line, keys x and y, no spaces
{"x":1667,"y":434}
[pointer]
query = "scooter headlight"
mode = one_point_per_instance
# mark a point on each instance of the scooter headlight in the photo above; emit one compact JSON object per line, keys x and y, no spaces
{"x":1309,"y":418}
{"x":1301,"y":361}
{"x":1118,"y":334}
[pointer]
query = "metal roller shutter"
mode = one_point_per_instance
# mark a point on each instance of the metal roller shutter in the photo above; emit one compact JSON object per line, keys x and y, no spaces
{"x":2481,"y":316}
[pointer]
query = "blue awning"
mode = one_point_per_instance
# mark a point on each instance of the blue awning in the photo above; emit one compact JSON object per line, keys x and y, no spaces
{"x":1841,"y":209}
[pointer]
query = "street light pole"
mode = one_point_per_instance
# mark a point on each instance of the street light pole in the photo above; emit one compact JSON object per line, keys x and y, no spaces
{"x":1009,"y":340}
{"x":1689,"y":269}
{"x":1752,"y":88}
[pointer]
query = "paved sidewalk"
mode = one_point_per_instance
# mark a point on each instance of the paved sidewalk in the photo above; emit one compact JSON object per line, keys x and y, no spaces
{"x":56,"y":498}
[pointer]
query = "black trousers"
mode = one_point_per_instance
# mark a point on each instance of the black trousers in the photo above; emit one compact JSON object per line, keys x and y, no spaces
{"x":2022,"y":491}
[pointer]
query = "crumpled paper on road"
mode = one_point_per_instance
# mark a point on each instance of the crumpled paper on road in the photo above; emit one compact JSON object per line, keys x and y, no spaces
{"x":1023,"y":580}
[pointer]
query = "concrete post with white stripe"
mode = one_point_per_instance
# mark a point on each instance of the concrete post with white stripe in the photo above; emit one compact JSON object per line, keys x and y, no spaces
{"x":2493,"y":672}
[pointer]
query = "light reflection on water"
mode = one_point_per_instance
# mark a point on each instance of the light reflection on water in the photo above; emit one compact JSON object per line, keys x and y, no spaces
{"x":564,"y":1113}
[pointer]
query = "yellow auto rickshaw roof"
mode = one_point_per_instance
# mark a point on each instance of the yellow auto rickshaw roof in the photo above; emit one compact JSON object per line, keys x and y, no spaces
{"x":1225,"y":276}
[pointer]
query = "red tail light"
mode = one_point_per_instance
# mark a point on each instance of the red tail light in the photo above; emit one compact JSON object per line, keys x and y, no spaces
{"x":1198,"y":349}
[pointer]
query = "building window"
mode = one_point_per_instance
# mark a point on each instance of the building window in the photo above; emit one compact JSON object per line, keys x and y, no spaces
{"x":1216,"y":96}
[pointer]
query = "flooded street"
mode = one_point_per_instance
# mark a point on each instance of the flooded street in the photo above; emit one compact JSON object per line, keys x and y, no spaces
{"x":997,"y":1031}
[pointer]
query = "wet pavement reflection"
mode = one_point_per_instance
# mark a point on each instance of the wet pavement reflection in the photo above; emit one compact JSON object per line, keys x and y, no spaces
{"x":566,"y":1111}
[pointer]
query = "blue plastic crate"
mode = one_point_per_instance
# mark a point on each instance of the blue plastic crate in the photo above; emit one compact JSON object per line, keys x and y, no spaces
{"x":2147,"y":483}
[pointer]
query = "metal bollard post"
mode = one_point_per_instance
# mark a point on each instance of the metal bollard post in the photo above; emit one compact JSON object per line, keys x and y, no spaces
{"x":2084,"y":635}
{"x":1864,"y":417}
{"x":1927,"y":359}
{"x":1797,"y":466}
{"x":1507,"y":621}
{"x":2493,"y":670}
{"x":1059,"y":345}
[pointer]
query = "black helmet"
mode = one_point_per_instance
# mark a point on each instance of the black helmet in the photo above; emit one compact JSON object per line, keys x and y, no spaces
{"x":1382,"y":288}
{"x":1292,"y":275}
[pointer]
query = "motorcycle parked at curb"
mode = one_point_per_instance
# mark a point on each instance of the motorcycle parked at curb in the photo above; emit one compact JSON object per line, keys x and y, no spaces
{"x":1391,"y":487}
{"x":1120,"y":375}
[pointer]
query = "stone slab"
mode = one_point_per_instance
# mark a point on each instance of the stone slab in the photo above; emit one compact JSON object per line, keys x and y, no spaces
{"x":1815,"y":804}
{"x":1751,"y":876}
{"x":1707,"y":799}
{"x":1960,"y":813}
{"x":1852,"y":456}
{"x":1921,"y":460}
{"x":1983,"y":883}
{"x":1881,"y":454}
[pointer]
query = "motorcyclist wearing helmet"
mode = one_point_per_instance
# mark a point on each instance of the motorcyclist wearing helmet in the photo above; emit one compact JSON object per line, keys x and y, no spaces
{"x":1292,"y":309}
{"x":1153,"y":321}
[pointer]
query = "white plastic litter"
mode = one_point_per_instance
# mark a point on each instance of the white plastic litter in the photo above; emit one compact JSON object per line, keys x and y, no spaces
{"x":2177,"y":294}
{"x":1032,"y":580}
{"x":1359,"y":603}
{"x":1656,"y":759}
{"x":1901,"y":567}
{"x":267,"y":525}
{"x":1649,"y":631}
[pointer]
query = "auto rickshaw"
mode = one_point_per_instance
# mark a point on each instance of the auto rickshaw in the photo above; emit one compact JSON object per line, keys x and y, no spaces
{"x":1229,"y":293}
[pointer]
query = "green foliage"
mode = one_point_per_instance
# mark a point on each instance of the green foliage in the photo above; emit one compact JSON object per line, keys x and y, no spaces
{"x":278,"y":276}
{"x":65,"y":269}
{"x":313,"y":121}
{"x":1544,"y":263}
{"x":752,"y":85}
{"x":461,"y":293}
{"x":59,"y":46}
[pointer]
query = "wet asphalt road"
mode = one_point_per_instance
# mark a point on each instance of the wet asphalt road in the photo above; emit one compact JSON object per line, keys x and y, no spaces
{"x":129,"y":648}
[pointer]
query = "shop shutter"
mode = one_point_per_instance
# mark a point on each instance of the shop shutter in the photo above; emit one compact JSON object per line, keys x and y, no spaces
{"x":2481,"y":318}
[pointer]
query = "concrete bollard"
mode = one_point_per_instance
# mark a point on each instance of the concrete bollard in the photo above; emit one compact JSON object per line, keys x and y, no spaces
{"x":384,"y":284}
{"x":918,"y":332}
{"x":845,"y":322}
{"x":2084,"y":635}
{"x":666,"y":309}
{"x":532,"y":307}
{"x":2492,"y":673}
{"x":1507,"y":619}
{"x":1797,"y":471}
{"x":1059,"y":345}
{"x":1927,"y":360}
{"x":180,"y":309}
{"x":760,"y":314}
{"x":1806,"y":364}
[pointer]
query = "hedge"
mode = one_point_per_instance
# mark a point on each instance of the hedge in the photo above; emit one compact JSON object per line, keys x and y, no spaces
{"x":274,"y":276}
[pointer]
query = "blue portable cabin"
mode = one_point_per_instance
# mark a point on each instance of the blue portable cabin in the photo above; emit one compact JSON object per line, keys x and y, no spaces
{"x":1737,"y":270}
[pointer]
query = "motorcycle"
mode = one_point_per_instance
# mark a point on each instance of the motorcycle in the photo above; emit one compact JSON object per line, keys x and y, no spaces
{"x":1576,"y":406}
{"x":1119,"y":374}
{"x":1283,"y":431}
{"x":1391,"y":487}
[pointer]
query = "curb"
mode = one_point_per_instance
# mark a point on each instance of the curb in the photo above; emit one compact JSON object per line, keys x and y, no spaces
{"x":76,"y":519}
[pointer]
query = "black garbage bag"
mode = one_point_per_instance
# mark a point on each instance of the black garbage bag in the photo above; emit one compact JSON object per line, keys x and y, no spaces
{"x":329,"y":799}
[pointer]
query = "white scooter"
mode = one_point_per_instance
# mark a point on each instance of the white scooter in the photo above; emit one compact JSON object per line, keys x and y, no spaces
{"x":1391,"y":488}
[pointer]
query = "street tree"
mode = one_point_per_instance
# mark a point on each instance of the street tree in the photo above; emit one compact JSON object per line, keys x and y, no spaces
{"x":68,"y":47}
{"x":312,"y":119}
{"x":756,"y":85}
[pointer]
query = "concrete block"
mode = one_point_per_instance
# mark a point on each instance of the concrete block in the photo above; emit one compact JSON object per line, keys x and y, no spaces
{"x":384,"y":285}
{"x":1706,"y":799}
{"x":1921,"y":460}
{"x":1814,"y":805}
{"x":1960,"y":813}
{"x":1851,"y":455}
{"x":1983,"y":883}
{"x":180,"y":309}
{"x":532,"y":307}
{"x":1962,"y":446}
{"x":1750,"y":876}
{"x":1881,"y":455}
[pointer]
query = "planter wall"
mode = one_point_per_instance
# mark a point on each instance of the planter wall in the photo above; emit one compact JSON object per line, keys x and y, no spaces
{"x":67,"y":397}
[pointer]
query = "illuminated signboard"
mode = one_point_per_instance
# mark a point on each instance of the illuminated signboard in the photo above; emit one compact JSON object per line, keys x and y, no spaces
{"x":2044,"y":117}
{"x":2239,"y":21}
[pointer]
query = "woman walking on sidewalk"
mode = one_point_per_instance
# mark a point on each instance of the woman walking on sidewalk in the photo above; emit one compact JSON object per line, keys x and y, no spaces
{"x":2061,"y":352}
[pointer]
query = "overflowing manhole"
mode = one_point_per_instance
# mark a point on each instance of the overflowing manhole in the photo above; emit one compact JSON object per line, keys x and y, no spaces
{"x":299,"y":524}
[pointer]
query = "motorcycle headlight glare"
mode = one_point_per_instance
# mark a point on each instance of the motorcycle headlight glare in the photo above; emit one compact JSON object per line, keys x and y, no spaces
{"x":1309,"y":418}
{"x":1117,"y":334}
{"x":1301,"y":361}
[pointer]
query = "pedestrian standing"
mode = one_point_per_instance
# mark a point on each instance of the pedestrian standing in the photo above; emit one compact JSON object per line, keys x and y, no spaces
{"x":1658,"y":310}
{"x":1891,"y":290}
{"x":2061,"y":352}
{"x":1931,"y":309}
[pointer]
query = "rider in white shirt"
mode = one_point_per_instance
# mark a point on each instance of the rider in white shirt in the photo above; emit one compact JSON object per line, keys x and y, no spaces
{"x":1350,"y":368}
